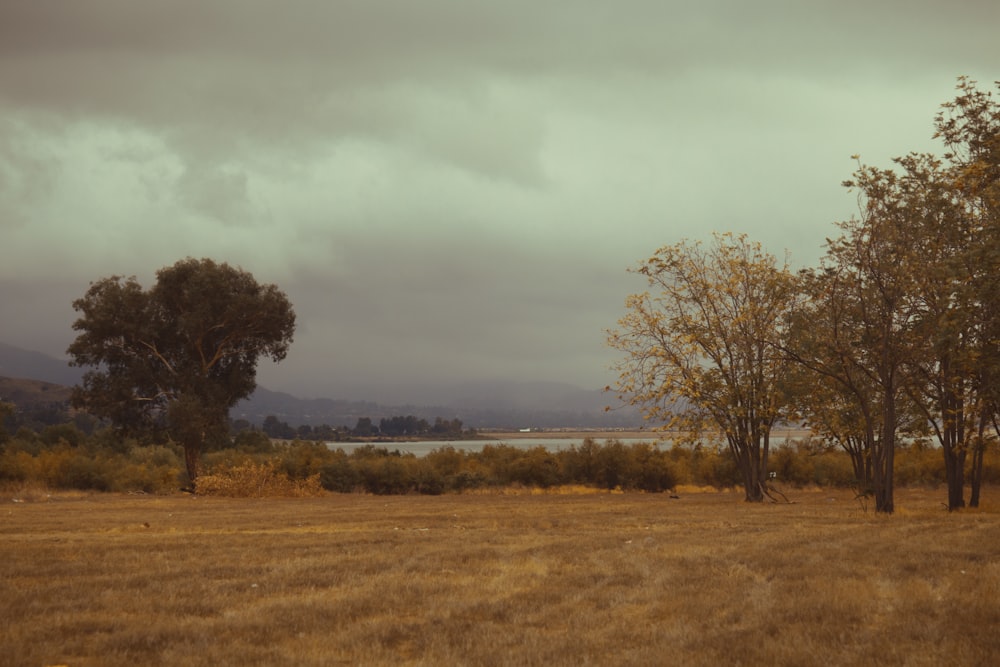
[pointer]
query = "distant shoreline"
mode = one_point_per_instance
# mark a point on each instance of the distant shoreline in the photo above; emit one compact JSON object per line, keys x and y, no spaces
{"x":565,"y":435}
{"x":777,"y":434}
{"x":488,"y":435}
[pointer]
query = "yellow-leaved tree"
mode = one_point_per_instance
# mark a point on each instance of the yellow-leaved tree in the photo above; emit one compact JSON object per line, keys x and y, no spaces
{"x":699,"y":354}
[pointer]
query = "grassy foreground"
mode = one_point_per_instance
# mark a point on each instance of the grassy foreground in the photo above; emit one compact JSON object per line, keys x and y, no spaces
{"x":554,"y":579}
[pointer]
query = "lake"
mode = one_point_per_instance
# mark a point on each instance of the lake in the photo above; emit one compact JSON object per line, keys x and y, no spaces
{"x":552,"y":442}
{"x":425,"y":447}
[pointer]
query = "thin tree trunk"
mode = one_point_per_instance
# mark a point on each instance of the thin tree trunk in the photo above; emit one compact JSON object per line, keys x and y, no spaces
{"x":749,"y":468}
{"x":191,"y":463}
{"x":976,"y":474}
{"x":751,"y":479}
{"x":884,"y":464}
{"x":954,"y":470}
{"x":976,"y":471}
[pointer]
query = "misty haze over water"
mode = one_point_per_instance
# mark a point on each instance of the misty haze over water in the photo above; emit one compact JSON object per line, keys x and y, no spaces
{"x":424,"y":447}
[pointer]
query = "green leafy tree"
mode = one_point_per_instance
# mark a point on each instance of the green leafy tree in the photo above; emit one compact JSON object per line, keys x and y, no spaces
{"x":364,"y":428}
{"x":173,"y":360}
{"x":275,"y":428}
{"x":698,"y":356}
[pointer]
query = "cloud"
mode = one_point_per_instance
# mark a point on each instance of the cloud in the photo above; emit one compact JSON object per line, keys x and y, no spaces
{"x":447,"y":190}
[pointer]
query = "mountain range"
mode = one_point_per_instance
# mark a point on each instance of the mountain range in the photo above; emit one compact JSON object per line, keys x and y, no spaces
{"x":480,"y":405}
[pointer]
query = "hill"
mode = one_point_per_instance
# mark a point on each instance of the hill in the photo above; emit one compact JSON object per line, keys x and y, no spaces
{"x":508,"y":406}
{"x":16,"y":362}
{"x":32,"y":393}
{"x":480,"y":404}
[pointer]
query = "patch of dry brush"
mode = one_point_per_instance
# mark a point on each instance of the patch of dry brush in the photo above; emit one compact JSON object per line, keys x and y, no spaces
{"x":253,"y":480}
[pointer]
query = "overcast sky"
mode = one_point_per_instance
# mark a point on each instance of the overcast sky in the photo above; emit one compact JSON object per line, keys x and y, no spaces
{"x":447,"y":191}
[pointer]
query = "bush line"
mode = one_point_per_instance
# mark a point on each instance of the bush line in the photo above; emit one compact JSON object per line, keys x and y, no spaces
{"x":60,"y":458}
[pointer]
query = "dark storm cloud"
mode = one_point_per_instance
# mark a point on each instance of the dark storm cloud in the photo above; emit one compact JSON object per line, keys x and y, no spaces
{"x":447,"y":190}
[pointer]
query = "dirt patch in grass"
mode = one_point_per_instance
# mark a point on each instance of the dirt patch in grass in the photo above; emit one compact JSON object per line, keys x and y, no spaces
{"x":563,"y":579}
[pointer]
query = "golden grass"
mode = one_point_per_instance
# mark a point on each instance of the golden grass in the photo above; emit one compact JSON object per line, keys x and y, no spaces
{"x":519,"y":579}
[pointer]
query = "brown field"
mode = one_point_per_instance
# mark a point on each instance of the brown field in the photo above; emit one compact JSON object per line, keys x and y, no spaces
{"x":500,"y":579}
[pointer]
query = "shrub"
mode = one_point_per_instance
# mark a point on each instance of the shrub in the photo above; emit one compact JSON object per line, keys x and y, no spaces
{"x":466,"y":480}
{"x":534,"y":467}
{"x":25,"y":440}
{"x":83,"y":472}
{"x":427,"y":480}
{"x":18,"y":466}
{"x":338,"y":474}
{"x":156,"y":456}
{"x":496,"y":461}
{"x":62,"y":433}
{"x":791,"y":464}
{"x":613,"y":466}
{"x":386,"y":475}
{"x":715,"y":468}
{"x":680,"y":459}
{"x":919,"y":464}
{"x":447,"y":460}
{"x":580,"y":464}
{"x":653,"y":471}
{"x":254,"y":442}
{"x":302,"y":459}
{"x":252,"y":480}
{"x":833,"y":469}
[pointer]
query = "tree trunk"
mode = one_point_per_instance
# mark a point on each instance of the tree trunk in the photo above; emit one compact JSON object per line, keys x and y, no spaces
{"x":754,"y":490}
{"x":976,"y":472}
{"x":191,"y":462}
{"x":882,"y":476}
{"x":884,"y":459}
{"x":861,"y":462}
{"x":750,"y":467}
{"x":954,"y":470}
{"x":882,"y":482}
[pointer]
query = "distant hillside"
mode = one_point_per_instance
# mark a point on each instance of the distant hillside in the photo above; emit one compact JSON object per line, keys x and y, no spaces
{"x":478,"y":404}
{"x":507,"y":405}
{"x":297,"y":411}
{"x":19,"y":363}
{"x":31,"y":393}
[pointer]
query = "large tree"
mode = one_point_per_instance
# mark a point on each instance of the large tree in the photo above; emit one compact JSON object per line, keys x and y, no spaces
{"x":174,"y":359}
{"x":868,"y":278}
{"x":830,"y":393}
{"x":697,"y":351}
{"x":901,"y":315}
{"x":853,"y":332}
{"x":969,"y":126}
{"x":948,"y":370}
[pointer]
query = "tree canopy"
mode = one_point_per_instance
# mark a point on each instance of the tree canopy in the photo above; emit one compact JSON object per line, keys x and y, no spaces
{"x":896,"y":334}
{"x":696,"y":348}
{"x":175,"y":358}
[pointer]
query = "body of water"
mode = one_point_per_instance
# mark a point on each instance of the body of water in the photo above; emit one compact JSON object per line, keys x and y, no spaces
{"x":425,"y":447}
{"x":422,"y":448}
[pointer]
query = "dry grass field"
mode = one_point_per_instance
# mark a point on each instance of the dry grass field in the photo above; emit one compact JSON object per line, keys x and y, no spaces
{"x":500,"y":579}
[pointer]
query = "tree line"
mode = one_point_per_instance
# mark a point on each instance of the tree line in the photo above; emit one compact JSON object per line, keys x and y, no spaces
{"x":400,"y":426}
{"x":893,"y":338}
{"x":62,"y":456}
